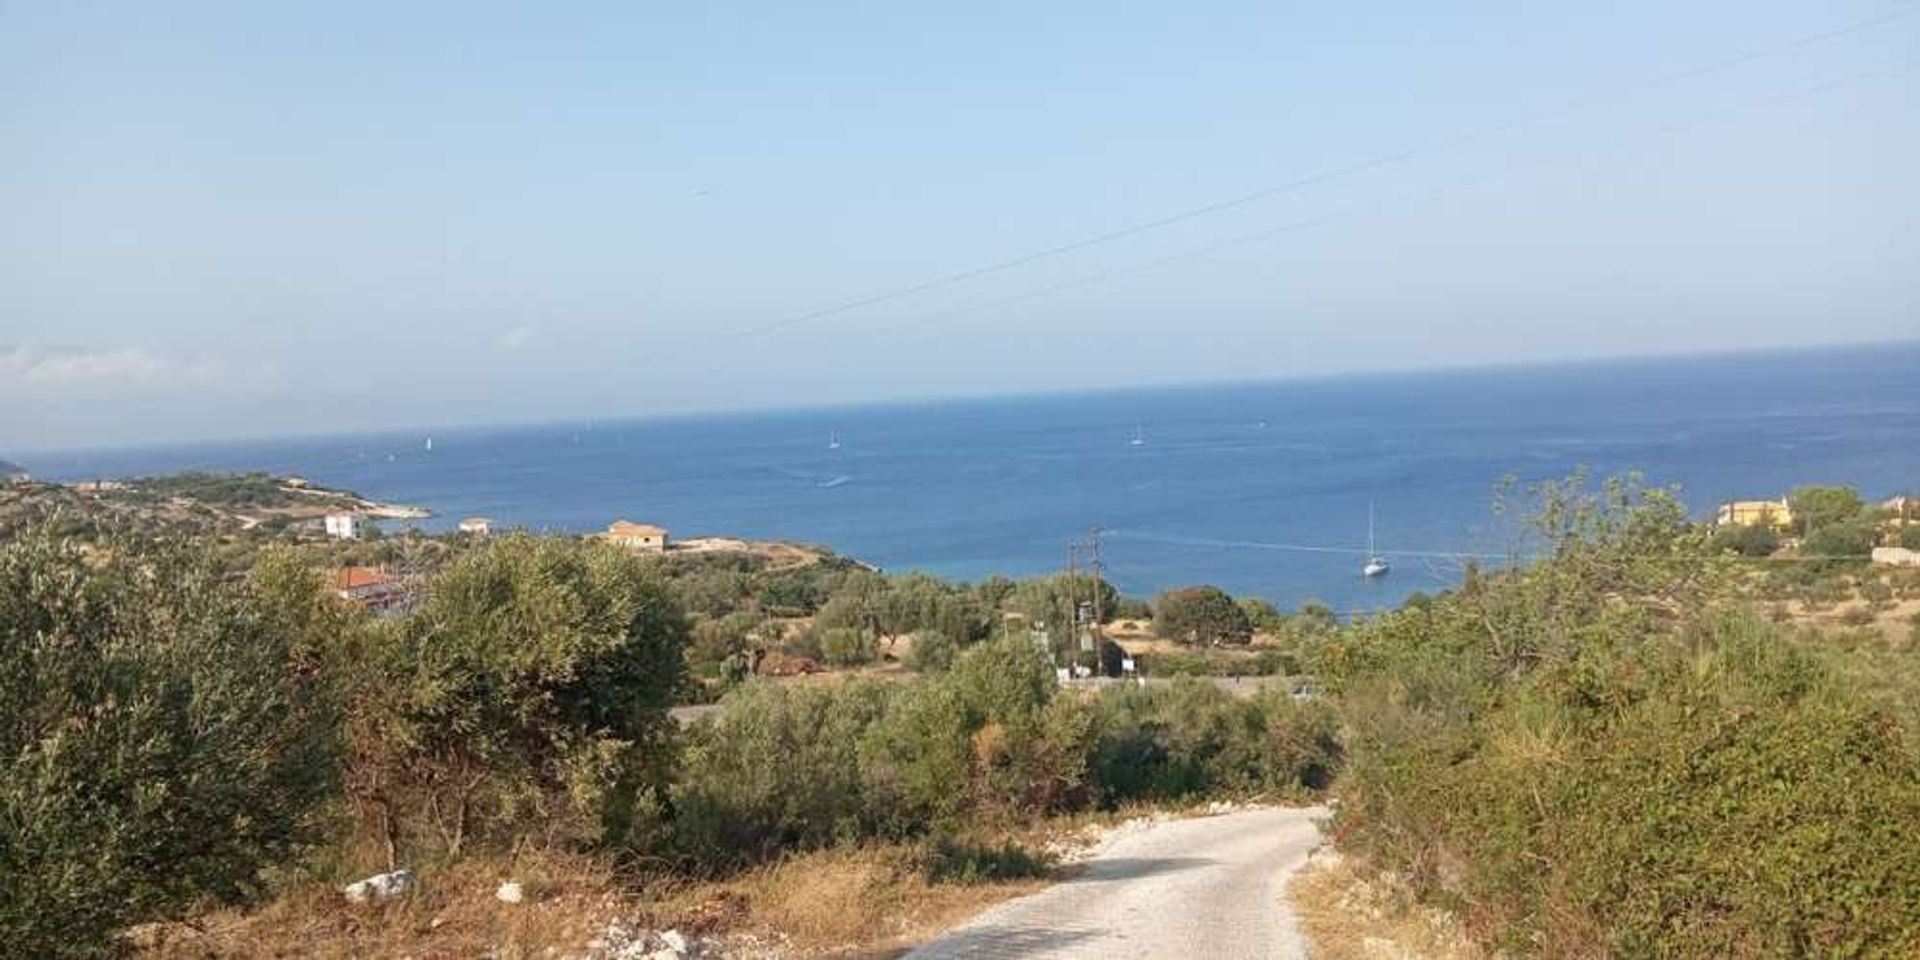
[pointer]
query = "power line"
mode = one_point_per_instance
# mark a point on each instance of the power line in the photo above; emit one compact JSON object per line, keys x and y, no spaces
{"x":1268,"y":233}
{"x":1398,"y":156}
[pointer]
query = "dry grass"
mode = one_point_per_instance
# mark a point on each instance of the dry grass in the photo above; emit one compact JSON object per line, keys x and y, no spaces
{"x":452,"y":913}
{"x":868,"y":901}
{"x":1349,"y":917}
{"x":872,"y":901}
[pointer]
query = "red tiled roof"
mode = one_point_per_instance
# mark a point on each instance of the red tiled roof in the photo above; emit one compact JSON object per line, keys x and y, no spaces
{"x":351,"y":578}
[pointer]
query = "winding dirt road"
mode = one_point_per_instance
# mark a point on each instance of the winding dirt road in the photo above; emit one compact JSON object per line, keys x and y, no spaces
{"x":1211,"y":888}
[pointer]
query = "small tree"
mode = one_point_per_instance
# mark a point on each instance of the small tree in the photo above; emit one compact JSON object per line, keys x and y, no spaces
{"x":529,"y":694}
{"x":1816,"y":507}
{"x":1202,"y":614}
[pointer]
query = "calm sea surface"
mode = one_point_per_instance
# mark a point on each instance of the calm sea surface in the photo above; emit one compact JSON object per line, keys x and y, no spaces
{"x":1262,"y":489}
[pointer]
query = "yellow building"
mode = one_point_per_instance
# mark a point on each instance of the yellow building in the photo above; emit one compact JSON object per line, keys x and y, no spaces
{"x":1749,"y":512}
{"x":636,"y":536}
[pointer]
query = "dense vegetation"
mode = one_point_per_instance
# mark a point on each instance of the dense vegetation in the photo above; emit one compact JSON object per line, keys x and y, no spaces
{"x":1625,"y":749}
{"x":1597,"y":756}
{"x":163,"y":740}
{"x":185,"y":726}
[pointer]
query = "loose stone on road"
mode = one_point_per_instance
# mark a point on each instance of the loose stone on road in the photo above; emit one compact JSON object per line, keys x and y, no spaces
{"x":1211,"y":887}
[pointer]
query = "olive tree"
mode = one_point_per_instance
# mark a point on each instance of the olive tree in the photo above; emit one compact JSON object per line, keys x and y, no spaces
{"x":162,"y":740}
{"x":528,"y":694}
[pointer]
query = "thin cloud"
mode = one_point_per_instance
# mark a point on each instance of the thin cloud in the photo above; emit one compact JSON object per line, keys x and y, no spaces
{"x":516,"y":338}
{"x":64,"y":369}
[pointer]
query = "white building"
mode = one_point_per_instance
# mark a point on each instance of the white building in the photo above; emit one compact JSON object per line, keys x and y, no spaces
{"x":479,"y":526}
{"x":636,"y":536}
{"x":345,"y":526}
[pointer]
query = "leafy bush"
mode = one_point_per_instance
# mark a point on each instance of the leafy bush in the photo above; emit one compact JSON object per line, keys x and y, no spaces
{"x":932,"y":651}
{"x":846,"y":646}
{"x":1747,"y":540}
{"x":529,"y":694}
{"x":1200,"y":614}
{"x":162,"y":741}
{"x":1590,"y":757}
{"x":778,"y":768}
{"x":1843,"y":540}
{"x":1192,"y":738}
{"x":1004,"y":680}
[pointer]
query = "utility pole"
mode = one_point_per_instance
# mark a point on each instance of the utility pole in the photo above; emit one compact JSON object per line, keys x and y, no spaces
{"x":1073,"y":610}
{"x":1084,"y":616}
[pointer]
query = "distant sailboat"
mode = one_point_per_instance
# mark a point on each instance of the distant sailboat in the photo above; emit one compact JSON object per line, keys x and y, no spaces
{"x":429,"y":444}
{"x":1376,"y":564}
{"x":1139,"y":437}
{"x":833,"y":440}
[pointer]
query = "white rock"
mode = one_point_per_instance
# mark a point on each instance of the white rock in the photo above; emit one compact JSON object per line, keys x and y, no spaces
{"x":380,"y":886}
{"x":675,"y":940}
{"x":510,"y":892}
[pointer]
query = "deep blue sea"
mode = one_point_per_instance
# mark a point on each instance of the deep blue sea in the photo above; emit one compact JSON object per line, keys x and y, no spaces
{"x":1262,"y":488}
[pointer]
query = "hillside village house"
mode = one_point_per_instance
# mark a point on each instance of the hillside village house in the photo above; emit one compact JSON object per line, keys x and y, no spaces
{"x":636,"y":536}
{"x":1774,"y":513}
{"x":370,"y":587}
{"x":344,"y":526}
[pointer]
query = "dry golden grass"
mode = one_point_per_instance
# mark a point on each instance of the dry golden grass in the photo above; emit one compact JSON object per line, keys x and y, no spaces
{"x":1349,"y":917}
{"x":452,"y":913}
{"x":868,"y":901}
{"x":872,"y":901}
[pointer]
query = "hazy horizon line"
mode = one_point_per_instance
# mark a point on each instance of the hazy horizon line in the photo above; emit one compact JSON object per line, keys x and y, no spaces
{"x":962,"y":398}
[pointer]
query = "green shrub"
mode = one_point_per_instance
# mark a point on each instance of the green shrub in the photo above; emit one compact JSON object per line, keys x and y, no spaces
{"x":1004,"y":680}
{"x":915,"y":760}
{"x":162,"y":741}
{"x":778,"y":768}
{"x":1589,"y":757}
{"x":932,"y":651}
{"x":1842,"y":540}
{"x":528,"y":695}
{"x":1747,"y":540}
{"x":1191,"y":738}
{"x":846,"y":646}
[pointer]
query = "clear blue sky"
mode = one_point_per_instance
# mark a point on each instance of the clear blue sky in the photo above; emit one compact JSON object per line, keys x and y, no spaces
{"x":247,"y":218}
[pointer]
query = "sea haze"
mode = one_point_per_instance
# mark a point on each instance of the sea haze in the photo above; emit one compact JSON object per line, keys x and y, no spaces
{"x":1262,"y":489}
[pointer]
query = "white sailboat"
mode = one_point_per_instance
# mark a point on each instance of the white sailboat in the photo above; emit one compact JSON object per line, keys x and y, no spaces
{"x":1376,"y":564}
{"x":833,"y":440}
{"x":429,"y":444}
{"x":1139,"y":437}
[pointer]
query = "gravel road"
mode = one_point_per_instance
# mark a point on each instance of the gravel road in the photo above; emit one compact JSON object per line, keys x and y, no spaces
{"x":1210,"y":888}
